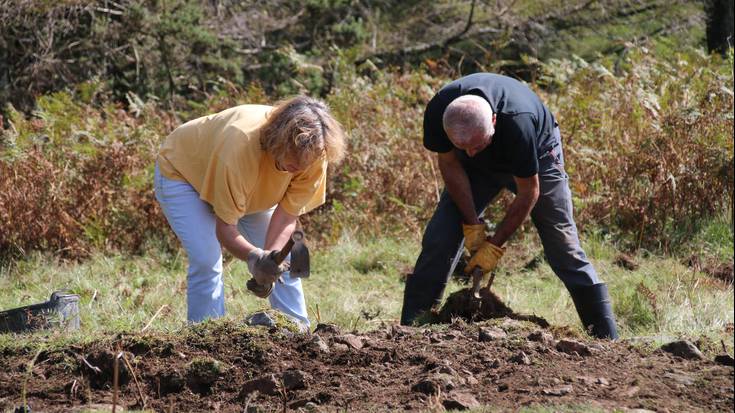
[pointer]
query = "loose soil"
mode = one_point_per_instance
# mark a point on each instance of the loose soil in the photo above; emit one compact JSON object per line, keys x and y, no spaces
{"x":505,"y":362}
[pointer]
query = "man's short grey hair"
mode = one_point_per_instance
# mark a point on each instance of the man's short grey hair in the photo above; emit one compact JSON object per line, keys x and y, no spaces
{"x":467,"y":116}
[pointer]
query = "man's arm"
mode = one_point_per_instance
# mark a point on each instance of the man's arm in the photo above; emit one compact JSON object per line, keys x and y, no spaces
{"x":458,"y":185}
{"x":526,"y":196}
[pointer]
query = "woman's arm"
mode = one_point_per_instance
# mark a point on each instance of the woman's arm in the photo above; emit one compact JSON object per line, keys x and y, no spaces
{"x":232,"y":240}
{"x":281,"y":227}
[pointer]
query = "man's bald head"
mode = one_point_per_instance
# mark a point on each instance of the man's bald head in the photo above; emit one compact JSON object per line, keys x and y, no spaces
{"x":466,"y":119}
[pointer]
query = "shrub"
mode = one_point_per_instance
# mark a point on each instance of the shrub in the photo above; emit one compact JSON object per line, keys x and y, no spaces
{"x":648,"y":145}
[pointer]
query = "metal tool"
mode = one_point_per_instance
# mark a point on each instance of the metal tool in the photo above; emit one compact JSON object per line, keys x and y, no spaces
{"x":300,"y":263}
{"x":477,"y":281}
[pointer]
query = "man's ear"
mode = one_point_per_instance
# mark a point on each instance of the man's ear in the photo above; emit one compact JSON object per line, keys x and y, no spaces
{"x":495,"y":117}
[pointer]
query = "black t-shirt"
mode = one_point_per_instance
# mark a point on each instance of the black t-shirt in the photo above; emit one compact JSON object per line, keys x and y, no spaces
{"x":523,"y":128}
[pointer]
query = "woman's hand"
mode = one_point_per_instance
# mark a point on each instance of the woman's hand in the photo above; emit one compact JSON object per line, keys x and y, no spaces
{"x":263,"y":267}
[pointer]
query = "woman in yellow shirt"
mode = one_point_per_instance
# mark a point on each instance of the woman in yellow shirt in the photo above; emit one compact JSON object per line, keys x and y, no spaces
{"x":240,"y":179}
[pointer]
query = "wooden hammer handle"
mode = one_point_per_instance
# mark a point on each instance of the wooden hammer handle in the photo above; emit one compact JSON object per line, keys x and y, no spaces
{"x":283,"y":253}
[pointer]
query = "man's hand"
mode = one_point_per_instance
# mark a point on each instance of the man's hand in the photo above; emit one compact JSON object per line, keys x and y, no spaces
{"x":263,"y":267}
{"x":474,"y":236}
{"x":486,"y":258}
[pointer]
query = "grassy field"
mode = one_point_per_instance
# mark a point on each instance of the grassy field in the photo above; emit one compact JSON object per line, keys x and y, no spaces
{"x":357,"y":284}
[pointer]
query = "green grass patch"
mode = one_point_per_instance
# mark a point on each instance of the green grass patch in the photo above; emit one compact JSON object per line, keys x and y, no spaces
{"x":358,"y":284}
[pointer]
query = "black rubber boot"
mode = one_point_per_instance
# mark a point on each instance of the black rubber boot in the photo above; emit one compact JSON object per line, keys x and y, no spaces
{"x":595,"y":310}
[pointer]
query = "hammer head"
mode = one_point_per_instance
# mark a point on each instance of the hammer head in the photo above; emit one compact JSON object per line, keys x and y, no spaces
{"x":300,"y":266}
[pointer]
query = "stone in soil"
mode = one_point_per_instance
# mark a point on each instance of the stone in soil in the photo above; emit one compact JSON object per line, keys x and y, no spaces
{"x":267,"y":384}
{"x":491,"y":334}
{"x":425,"y":386}
{"x":460,"y":401}
{"x":315,"y":345}
{"x":558,"y":391}
{"x":573,"y":346}
{"x":521,"y":358}
{"x":681,"y":379}
{"x":294,"y":379}
{"x":350,"y":340}
{"x":260,"y":318}
{"x":683,"y":349}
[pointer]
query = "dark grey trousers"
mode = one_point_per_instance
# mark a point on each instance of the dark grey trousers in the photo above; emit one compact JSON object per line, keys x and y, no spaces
{"x":552,"y":216}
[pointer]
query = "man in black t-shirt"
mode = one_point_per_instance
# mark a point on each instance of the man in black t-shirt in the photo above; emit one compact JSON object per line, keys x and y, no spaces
{"x":492,"y":132}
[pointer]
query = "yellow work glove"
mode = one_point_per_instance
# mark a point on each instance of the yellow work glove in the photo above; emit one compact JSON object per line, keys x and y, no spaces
{"x":474,"y":236}
{"x":486,"y":257}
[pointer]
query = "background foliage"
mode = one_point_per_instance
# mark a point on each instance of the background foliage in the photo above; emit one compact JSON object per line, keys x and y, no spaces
{"x":646,"y":114}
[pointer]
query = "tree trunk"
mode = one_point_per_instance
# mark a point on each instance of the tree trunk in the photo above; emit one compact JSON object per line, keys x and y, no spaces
{"x":719,"y":25}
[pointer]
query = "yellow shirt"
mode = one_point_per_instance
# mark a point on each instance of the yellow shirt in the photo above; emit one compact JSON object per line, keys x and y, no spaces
{"x":220,"y":156}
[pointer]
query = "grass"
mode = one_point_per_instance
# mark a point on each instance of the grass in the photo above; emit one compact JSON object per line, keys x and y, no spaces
{"x":357,"y":284}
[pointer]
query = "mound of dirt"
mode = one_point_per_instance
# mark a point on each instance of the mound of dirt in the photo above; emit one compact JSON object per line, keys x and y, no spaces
{"x":462,"y":304}
{"x":228,"y":367}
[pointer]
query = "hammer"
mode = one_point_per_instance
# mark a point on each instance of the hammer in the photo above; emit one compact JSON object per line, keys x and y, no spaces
{"x":299,"y":255}
{"x":299,"y":262}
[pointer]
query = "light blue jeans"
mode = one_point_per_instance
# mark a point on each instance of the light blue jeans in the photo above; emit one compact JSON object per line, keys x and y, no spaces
{"x":194,"y":224}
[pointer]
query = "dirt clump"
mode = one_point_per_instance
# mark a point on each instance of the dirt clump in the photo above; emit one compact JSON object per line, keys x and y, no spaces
{"x":463,"y":304}
{"x":225,"y":366}
{"x":202,"y":373}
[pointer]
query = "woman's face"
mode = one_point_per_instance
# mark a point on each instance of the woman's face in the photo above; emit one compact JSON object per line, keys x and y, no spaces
{"x":289,"y":166}
{"x":292,"y":164}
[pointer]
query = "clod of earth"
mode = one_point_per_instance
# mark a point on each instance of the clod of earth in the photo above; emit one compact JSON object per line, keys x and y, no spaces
{"x":725,"y":360}
{"x":683,"y":349}
{"x":463,"y":304}
{"x":400,"y":370}
{"x":543,"y":337}
{"x":100,"y":366}
{"x":170,"y":382}
{"x":202,"y":373}
{"x":326,"y":329}
{"x":626,"y":261}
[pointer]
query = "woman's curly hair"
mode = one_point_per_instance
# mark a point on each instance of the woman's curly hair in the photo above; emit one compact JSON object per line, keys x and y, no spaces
{"x":302,"y":129}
